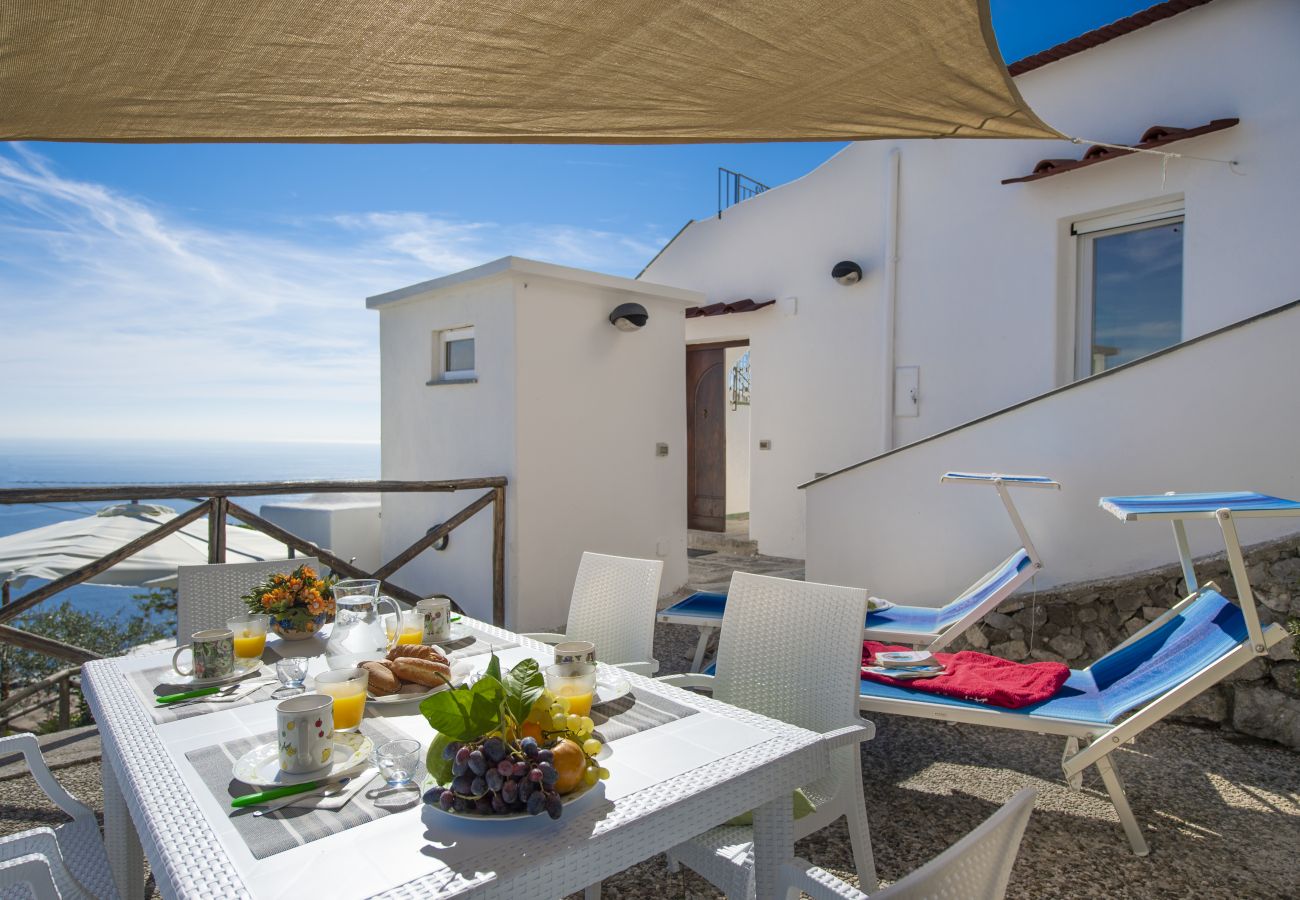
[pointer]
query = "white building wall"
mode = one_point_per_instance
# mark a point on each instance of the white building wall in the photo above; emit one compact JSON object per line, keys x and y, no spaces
{"x":1173,"y":423}
{"x":986,"y":278}
{"x":346,"y":525}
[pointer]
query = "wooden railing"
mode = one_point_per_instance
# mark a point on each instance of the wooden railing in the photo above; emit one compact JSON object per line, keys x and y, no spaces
{"x":217,"y":505}
{"x":42,"y":694}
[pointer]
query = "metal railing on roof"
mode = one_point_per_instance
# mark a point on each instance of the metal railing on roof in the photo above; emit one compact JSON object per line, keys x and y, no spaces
{"x":734,"y":187}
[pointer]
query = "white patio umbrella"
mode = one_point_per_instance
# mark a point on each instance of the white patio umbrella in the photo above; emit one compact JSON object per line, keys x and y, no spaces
{"x":55,"y":550}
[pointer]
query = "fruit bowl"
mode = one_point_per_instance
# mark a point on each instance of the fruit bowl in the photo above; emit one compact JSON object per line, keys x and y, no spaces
{"x":569,"y":801}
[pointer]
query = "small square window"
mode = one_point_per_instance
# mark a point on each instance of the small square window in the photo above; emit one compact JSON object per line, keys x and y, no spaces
{"x":454,"y":355}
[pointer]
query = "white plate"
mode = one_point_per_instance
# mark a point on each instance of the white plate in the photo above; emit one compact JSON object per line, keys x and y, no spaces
{"x":242,"y":670}
{"x":875,"y":604}
{"x":260,"y":766}
{"x":609,"y":687}
{"x":568,"y":799}
{"x":410,"y":693}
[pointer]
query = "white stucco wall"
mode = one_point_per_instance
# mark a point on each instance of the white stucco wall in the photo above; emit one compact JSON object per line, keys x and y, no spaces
{"x":566,"y":406}
{"x":345,"y":524}
{"x":1177,"y":422}
{"x":986,"y":277}
{"x":738,"y":444}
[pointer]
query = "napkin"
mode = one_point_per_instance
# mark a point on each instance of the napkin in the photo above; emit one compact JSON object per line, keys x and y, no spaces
{"x":339,"y":800}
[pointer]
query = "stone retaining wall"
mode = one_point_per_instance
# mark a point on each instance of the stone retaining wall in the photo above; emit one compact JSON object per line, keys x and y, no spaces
{"x":1077,"y":623}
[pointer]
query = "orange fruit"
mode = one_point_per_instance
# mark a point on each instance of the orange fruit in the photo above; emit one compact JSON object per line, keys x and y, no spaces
{"x":569,"y":762}
{"x":530,"y":729}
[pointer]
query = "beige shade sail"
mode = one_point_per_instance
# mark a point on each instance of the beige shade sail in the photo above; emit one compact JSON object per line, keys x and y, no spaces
{"x":534,"y":71}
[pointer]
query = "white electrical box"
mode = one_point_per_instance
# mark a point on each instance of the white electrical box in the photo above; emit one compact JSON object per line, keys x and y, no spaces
{"x":907,"y":391}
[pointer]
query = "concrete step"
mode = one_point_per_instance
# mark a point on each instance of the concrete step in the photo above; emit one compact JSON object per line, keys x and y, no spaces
{"x":730,"y":543}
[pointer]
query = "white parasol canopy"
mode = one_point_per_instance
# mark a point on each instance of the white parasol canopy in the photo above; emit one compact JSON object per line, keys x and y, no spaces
{"x":55,"y":550}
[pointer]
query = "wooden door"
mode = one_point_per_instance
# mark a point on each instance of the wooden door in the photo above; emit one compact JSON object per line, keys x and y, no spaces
{"x":706,"y":440}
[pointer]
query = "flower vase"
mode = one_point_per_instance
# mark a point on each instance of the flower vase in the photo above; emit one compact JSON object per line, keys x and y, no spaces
{"x":300,"y":631}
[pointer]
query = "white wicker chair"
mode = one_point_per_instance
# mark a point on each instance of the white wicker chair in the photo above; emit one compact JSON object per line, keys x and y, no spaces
{"x":206,"y":596}
{"x":613,"y":606}
{"x":979,"y":865}
{"x":59,"y":863}
{"x":793,"y":651}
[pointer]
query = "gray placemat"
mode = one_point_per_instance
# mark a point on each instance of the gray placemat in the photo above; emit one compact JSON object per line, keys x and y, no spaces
{"x":474,"y":642}
{"x":293,"y":826}
{"x":151,"y":683}
{"x":633,"y":713}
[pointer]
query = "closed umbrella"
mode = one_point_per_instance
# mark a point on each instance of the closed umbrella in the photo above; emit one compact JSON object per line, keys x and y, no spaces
{"x":55,"y":550}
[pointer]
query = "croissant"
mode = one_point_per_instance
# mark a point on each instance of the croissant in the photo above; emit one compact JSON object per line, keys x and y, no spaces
{"x":419,"y":651}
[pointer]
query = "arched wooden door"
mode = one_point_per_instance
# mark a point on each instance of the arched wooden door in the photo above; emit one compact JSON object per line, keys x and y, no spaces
{"x":706,"y":439}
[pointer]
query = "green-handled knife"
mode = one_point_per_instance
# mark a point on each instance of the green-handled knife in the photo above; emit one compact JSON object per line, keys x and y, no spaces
{"x":190,"y":695}
{"x":286,"y":791}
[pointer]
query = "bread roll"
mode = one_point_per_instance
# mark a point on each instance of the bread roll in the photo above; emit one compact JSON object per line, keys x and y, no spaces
{"x":421,"y":671}
{"x":382,"y":681}
{"x":417,"y":651}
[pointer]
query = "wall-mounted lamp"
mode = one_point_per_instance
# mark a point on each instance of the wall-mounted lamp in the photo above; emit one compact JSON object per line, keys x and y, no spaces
{"x":847,"y":272}
{"x":629,"y":317}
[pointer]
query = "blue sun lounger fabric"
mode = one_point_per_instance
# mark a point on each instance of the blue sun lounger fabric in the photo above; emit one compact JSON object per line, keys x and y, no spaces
{"x":1240,"y":502}
{"x":927,"y":620}
{"x":1130,"y":675}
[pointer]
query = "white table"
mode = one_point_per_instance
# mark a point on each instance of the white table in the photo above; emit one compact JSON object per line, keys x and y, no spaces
{"x":667,"y":784}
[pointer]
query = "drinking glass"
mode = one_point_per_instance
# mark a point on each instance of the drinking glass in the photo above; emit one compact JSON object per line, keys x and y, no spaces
{"x":410,"y":627}
{"x":348,"y":688}
{"x":574,"y":683}
{"x":398,"y":761}
{"x":250,"y":635}
{"x":292,"y":672}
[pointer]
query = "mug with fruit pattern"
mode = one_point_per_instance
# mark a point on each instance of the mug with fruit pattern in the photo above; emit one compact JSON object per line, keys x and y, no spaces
{"x":305,"y":733}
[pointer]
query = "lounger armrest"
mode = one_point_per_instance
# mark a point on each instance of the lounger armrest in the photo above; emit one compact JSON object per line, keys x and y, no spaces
{"x":697,"y":680}
{"x":647,"y":668}
{"x":545,"y":637}
{"x":817,"y":883}
{"x":859,"y":731}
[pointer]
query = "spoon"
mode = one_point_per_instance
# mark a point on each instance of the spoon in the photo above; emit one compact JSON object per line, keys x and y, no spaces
{"x":280,"y":804}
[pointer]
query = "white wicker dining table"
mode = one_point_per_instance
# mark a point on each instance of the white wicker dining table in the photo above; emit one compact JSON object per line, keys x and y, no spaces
{"x":667,"y":783}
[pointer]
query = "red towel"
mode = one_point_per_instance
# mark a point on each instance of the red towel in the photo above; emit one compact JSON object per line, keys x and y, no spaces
{"x":978,"y":677}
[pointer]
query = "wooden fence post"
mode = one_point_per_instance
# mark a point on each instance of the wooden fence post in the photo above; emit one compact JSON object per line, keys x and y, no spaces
{"x":217,"y":529}
{"x":499,"y":557}
{"x":65,"y":703}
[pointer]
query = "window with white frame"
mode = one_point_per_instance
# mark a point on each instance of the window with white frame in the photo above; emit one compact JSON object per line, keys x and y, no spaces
{"x":453,"y":354}
{"x":1130,"y":291}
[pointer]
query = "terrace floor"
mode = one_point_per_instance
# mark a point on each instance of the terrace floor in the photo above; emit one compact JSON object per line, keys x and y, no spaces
{"x":1222,"y":812}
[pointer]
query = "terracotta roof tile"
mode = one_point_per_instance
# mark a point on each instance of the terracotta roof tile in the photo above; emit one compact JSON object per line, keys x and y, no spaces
{"x":1099,"y":36}
{"x":721,"y":309}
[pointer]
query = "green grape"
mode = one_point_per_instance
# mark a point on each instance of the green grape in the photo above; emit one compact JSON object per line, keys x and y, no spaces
{"x":574,"y":722}
{"x":591,"y":746}
{"x":560,"y":722}
{"x":590,"y":775}
{"x":603,"y":773}
{"x":588,"y":726}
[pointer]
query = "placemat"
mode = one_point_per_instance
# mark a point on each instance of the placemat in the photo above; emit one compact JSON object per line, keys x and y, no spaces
{"x":293,"y":826}
{"x":633,"y":713}
{"x":149,"y":685}
{"x":473,"y":642}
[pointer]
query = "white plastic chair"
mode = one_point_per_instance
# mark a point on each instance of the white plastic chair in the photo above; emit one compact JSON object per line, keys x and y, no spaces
{"x":613,"y":606}
{"x":206,"y":596}
{"x":59,"y":863}
{"x":979,"y":865}
{"x":790,"y":650}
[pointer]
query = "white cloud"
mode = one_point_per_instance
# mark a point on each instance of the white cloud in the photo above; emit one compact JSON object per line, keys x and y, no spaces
{"x":125,"y":318}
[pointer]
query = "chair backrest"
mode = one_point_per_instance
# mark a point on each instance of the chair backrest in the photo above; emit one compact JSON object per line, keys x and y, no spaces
{"x":206,"y":596}
{"x":984,"y":595}
{"x":792,"y":650}
{"x":613,"y":605}
{"x":979,"y":865}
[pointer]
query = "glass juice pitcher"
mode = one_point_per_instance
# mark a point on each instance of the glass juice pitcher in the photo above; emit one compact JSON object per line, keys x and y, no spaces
{"x":357,"y":627}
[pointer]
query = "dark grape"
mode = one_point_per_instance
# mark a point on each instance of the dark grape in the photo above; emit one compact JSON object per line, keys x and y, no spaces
{"x":498,"y":805}
{"x":529,"y":746}
{"x":549,"y":775}
{"x":433,"y":794}
{"x":483,"y":806}
{"x":452,"y":750}
{"x":477,"y":762}
{"x":461,"y":784}
{"x":510,"y":790}
{"x":459,"y":768}
{"x":506,"y":767}
{"x":494,"y":749}
{"x":519,"y":770}
{"x":447,"y":800}
{"x":535,"y":775}
{"x":494,"y":780}
{"x":478,"y":786}
{"x":460,"y":804}
{"x":545,"y":756}
{"x":536,"y":803}
{"x":526,"y":789}
{"x":554,"y":806}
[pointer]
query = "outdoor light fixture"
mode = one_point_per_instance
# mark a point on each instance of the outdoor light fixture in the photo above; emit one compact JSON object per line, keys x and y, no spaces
{"x":629,"y":317}
{"x":847,"y":272}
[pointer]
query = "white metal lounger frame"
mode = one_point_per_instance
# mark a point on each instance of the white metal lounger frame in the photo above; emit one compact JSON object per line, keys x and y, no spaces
{"x":1090,"y":744}
{"x":935,"y":641}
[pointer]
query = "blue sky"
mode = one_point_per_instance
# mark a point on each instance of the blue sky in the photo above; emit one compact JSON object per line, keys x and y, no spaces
{"x":207,"y":291}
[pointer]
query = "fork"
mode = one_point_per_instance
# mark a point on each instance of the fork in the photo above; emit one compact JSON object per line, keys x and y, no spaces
{"x":227,"y":694}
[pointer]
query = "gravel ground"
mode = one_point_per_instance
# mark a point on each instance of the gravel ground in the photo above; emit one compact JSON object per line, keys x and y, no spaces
{"x":1222,"y":813}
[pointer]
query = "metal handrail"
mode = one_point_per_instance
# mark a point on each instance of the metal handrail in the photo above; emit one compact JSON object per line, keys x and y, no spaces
{"x":733,"y":187}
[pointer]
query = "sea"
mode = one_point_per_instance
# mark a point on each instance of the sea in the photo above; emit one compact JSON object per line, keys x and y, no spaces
{"x":46,"y":463}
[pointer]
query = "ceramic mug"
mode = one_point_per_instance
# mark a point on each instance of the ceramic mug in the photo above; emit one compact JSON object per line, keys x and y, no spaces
{"x":575,"y":652}
{"x":436,"y":612}
{"x":213,"y":653}
{"x":305,"y":733}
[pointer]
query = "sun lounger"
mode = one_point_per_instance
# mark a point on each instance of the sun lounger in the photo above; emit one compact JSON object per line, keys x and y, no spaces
{"x":931,"y":628}
{"x":1196,"y":644}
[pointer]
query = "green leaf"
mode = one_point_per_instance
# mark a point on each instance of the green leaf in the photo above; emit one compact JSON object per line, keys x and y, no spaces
{"x":523,"y":686}
{"x":466,"y":713}
{"x":494,"y":668}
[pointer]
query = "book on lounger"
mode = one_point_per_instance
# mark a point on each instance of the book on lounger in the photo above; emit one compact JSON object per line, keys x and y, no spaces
{"x":905,"y":659}
{"x":906,"y":674}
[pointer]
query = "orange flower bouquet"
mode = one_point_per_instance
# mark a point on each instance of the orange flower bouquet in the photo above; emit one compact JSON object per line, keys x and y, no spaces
{"x":299,"y":603}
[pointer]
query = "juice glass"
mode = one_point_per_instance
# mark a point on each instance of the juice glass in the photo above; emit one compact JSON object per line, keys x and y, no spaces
{"x":410,"y":627}
{"x":250,"y":635}
{"x":574,"y":683}
{"x":348,"y":688}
